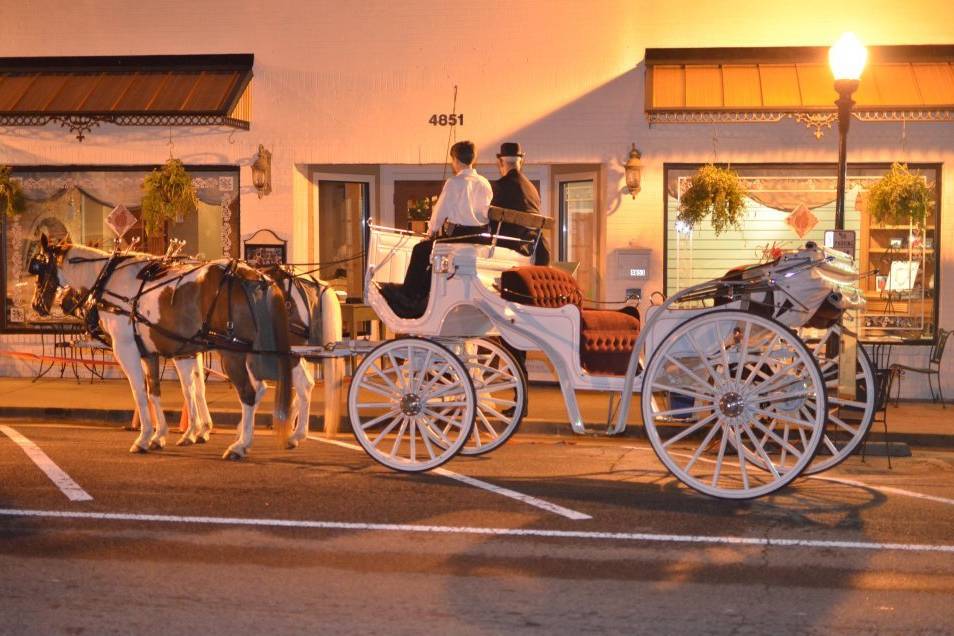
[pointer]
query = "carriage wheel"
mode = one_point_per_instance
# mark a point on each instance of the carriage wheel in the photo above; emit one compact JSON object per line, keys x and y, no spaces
{"x":725,"y":388}
{"x":411,"y":404}
{"x":849,"y":420}
{"x":501,"y":387}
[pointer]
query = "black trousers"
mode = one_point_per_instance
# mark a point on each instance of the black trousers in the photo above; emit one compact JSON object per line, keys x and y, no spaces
{"x":417,"y":279}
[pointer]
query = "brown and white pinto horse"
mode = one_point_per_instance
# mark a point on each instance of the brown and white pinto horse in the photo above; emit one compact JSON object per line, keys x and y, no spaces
{"x":177,"y":312}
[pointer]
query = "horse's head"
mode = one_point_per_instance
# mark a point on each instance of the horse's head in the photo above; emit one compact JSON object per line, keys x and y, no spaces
{"x":45,"y":266}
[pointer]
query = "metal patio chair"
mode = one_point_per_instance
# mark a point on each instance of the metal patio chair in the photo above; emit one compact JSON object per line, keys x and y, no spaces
{"x":933,"y":368}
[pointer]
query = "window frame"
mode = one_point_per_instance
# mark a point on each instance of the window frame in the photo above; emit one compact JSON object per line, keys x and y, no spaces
{"x":5,"y":325}
{"x":833,"y":167}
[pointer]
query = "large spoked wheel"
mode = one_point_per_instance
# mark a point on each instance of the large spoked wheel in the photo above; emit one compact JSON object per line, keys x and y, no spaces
{"x":501,"y":388}
{"x":734,"y":404}
{"x":411,"y":404}
{"x":849,"y":418}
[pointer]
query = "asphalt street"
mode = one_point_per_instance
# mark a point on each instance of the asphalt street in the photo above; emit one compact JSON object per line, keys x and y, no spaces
{"x":545,"y":535}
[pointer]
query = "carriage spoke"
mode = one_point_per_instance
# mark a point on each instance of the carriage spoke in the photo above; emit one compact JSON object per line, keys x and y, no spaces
{"x":689,"y":431}
{"x":724,"y":442}
{"x":377,"y":388}
{"x":419,"y":378}
{"x":778,"y":440}
{"x":743,"y":349}
{"x":760,"y":450}
{"x":741,"y":454}
{"x":702,"y":383}
{"x":493,"y":388}
{"x":702,"y":446}
{"x":658,"y":386}
{"x":704,"y":358}
{"x":380,"y":418}
{"x":762,"y":359}
{"x":443,"y":418}
{"x":387,"y":429}
{"x":683,"y":411}
{"x":397,"y":439}
{"x":491,"y":398}
{"x":388,"y":380}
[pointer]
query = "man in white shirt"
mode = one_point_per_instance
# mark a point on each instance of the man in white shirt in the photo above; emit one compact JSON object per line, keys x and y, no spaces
{"x":460,"y":213}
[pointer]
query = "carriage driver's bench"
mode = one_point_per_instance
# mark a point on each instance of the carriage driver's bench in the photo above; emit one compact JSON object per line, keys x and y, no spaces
{"x":607,"y":338}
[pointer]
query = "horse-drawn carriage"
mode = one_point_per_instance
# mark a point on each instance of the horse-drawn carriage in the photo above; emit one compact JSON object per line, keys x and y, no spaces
{"x":738,"y":376}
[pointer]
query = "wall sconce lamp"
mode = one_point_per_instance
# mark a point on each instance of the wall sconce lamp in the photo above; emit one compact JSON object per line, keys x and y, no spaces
{"x":262,"y":172}
{"x":633,"y":172}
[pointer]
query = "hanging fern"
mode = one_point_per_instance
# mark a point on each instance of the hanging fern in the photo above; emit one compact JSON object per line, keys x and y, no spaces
{"x":168,"y":193}
{"x":899,"y":197}
{"x":11,"y":194}
{"x":716,"y":192}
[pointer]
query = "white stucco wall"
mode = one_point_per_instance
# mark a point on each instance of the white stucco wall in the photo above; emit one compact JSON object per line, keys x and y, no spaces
{"x":353,"y":83}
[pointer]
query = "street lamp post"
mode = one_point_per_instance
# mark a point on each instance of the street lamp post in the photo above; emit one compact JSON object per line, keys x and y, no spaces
{"x":847,"y":59}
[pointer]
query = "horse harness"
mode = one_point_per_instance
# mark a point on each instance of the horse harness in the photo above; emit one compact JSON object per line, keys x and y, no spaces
{"x":94,"y":300}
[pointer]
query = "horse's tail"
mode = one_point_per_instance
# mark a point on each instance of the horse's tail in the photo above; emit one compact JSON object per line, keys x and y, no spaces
{"x":283,"y":383}
{"x":271,"y":317}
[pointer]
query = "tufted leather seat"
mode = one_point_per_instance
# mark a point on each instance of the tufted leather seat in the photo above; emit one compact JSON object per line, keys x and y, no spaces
{"x":607,"y":338}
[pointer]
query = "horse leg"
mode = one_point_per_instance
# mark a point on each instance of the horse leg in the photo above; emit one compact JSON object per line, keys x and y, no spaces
{"x":303,"y":379}
{"x":185,"y":369}
{"x":250,"y":391}
{"x":204,"y":426}
{"x":151,"y":366}
{"x":127,"y":355}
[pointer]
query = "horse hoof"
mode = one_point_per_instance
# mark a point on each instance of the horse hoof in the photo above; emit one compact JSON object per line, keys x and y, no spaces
{"x":138,"y":450}
{"x":184,"y":441}
{"x":156,"y":445}
{"x":232,"y":456}
{"x":291,"y":444}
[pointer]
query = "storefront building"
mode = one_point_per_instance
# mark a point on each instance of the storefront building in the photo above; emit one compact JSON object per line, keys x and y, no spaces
{"x":357,"y":106}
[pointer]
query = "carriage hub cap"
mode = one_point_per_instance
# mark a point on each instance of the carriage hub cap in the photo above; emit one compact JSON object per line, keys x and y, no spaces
{"x":411,"y":404}
{"x":732,"y":404}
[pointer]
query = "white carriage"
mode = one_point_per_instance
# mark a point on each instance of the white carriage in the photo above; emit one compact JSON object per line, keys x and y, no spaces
{"x":734,"y":402}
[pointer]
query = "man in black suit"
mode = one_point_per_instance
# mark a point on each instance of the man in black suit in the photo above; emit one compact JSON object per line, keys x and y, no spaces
{"x":513,"y":190}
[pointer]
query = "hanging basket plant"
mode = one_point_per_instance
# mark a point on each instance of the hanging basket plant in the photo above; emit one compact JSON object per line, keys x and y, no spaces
{"x":167,"y":194}
{"x":420,"y":210}
{"x":900,"y":197}
{"x":11,"y":194}
{"x":716,"y":192}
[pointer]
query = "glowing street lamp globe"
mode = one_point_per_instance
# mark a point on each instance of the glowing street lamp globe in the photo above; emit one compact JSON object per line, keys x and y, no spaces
{"x":847,"y":57}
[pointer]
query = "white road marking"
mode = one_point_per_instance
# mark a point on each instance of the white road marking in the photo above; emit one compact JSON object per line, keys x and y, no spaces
{"x":643,"y":537}
{"x":848,"y":482}
{"x":477,"y":483}
{"x":63,"y":481}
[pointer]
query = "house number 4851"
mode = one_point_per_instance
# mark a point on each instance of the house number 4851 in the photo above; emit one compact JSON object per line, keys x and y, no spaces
{"x":446,"y":120}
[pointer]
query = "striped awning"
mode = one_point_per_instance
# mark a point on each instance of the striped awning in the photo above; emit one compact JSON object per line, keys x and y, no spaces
{"x":152,"y":90}
{"x":766,"y":84}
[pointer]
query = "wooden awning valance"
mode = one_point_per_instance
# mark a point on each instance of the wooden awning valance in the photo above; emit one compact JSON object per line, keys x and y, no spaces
{"x":145,"y":90}
{"x":911,"y":83}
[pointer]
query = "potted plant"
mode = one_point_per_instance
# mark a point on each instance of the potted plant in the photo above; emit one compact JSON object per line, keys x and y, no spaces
{"x":11,"y":194}
{"x":900,"y":197}
{"x":419,"y":213}
{"x":168,"y":194}
{"x":716,"y":192}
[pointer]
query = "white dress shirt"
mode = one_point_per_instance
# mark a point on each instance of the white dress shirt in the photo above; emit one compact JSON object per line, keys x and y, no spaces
{"x":463,"y":201}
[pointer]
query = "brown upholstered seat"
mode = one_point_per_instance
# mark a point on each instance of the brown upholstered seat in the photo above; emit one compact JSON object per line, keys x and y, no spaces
{"x":607,"y":338}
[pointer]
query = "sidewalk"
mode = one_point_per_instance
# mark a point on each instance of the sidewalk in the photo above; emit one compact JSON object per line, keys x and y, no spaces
{"x":915,"y":423}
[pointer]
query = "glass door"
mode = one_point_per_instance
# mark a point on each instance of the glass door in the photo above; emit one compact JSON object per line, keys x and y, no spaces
{"x":577,"y":228}
{"x":342,"y":233}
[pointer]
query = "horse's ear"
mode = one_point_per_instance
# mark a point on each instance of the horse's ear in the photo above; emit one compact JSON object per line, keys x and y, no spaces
{"x":44,"y":242}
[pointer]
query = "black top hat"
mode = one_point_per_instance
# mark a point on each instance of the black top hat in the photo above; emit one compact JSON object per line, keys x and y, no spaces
{"x":510,"y":149}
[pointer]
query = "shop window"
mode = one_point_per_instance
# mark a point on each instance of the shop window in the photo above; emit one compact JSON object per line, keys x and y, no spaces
{"x":76,"y":202}
{"x":788,"y":205}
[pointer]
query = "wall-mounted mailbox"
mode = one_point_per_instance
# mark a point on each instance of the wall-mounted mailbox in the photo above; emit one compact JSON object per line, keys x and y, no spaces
{"x":633,"y":263}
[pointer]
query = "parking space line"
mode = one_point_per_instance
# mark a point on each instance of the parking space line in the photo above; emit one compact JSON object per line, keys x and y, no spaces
{"x":637,"y":537}
{"x":62,"y":481}
{"x":478,"y":483}
{"x":891,"y":490}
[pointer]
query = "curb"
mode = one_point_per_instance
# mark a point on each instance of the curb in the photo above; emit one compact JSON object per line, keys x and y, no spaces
{"x":535,"y":426}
